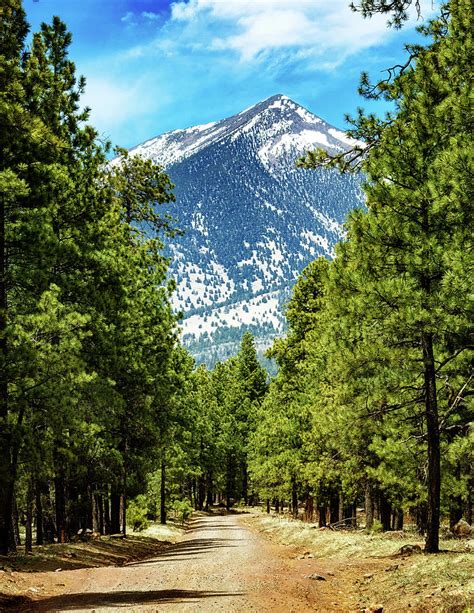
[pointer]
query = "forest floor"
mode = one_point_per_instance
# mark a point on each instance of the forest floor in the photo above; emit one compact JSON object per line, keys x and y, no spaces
{"x":370,"y":570}
{"x":239,"y":562}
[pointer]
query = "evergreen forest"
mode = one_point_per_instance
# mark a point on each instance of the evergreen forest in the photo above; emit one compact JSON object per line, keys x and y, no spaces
{"x":106,"y":422}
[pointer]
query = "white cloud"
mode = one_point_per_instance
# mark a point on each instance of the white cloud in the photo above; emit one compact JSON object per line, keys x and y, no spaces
{"x":317,"y":28}
{"x":151,"y":16}
{"x":113,"y":104}
{"x":127,"y":18}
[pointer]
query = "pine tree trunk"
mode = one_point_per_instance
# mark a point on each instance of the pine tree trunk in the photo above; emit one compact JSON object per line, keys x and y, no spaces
{"x":245,"y":482}
{"x":201,"y":492}
{"x":398,"y":522}
{"x":385,"y":513}
{"x":230,"y":479}
{"x":89,"y":508}
{"x":369,"y":506}
{"x":39,"y":513}
{"x":100,"y":514}
{"x":123,"y":514}
{"x":334,"y":509}
{"x":48,"y":516}
{"x":347,"y":515}
{"x":277,"y":505}
{"x":309,"y":508}
{"x":107,"y":523}
{"x":123,"y":497}
{"x":11,"y":527}
{"x":60,"y":502}
{"x":268,"y":505}
{"x":29,"y":517}
{"x":114,"y":511}
{"x":294,"y":499}
{"x":163,"y":493}
{"x":421,"y":517}
{"x":432,"y":430}
{"x":210,"y":492}
{"x":5,"y":502}
{"x":322,"y":510}
{"x":15,"y":523}
{"x":340,"y":517}
{"x":96,"y":513}
{"x":5,"y":450}
{"x":74,"y":519}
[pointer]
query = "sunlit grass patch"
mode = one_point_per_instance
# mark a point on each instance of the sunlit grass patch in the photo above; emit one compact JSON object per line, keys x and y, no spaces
{"x":348,"y":543}
{"x":442,"y":582}
{"x":170,"y":532}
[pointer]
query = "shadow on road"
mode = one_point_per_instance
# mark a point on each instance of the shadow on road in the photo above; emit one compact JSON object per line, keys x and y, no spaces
{"x":125,"y":599}
{"x":207,"y":526}
{"x":187,"y":550}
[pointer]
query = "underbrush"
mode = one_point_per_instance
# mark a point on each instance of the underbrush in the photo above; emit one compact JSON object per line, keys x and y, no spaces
{"x":348,"y":543}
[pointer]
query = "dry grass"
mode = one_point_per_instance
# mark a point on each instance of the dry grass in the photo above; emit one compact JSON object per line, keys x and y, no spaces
{"x":171,"y":532}
{"x":442,"y":582}
{"x":347,"y":543}
{"x":103,"y":551}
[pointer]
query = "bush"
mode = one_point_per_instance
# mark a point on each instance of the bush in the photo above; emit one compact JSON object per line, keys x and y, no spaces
{"x":376,"y":527}
{"x":137,"y":512}
{"x":182,"y":510}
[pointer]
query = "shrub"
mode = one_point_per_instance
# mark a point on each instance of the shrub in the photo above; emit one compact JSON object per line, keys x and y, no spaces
{"x":137,"y":513}
{"x":182,"y":510}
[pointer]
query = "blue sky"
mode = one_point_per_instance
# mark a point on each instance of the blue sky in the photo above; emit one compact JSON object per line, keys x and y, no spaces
{"x":155,"y":65}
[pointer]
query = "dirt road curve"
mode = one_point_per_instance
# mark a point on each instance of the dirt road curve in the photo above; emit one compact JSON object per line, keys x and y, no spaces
{"x":222,"y":565}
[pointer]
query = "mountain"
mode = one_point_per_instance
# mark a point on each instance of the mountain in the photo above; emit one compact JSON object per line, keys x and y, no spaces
{"x":252,"y":219}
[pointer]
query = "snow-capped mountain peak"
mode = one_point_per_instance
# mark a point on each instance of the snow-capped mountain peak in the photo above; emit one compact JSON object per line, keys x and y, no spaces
{"x":277,"y":122}
{"x":252,"y":220}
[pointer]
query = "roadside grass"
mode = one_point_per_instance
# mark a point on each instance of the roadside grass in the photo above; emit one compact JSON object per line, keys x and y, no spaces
{"x":446,"y":578}
{"x":170,"y":532}
{"x":93,"y":552}
{"x":15,"y":588}
{"x":348,"y":543}
{"x":443,"y":582}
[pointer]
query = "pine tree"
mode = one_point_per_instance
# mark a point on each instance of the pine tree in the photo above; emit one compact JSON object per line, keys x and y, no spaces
{"x":397,"y":9}
{"x":277,"y":456}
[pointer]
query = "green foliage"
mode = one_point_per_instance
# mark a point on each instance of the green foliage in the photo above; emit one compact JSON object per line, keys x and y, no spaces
{"x":99,"y":404}
{"x":373,"y":393}
{"x":397,"y":9}
{"x":87,"y":335}
{"x":138,"y":513}
{"x":182,"y":510}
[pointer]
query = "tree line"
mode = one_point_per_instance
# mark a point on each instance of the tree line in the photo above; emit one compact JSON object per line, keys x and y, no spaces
{"x":102,"y":411}
{"x":372,"y":402}
{"x":89,"y":358}
{"x":374,"y":393}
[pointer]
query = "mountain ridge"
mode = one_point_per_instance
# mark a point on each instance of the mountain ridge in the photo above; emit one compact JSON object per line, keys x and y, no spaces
{"x":235,"y":122}
{"x":252,"y":219}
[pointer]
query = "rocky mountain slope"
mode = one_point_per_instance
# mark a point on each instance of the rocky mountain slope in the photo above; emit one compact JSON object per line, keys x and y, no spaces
{"x":252,"y":220}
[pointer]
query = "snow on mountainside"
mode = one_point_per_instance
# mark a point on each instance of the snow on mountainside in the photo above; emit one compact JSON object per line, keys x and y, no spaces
{"x":252,"y":220}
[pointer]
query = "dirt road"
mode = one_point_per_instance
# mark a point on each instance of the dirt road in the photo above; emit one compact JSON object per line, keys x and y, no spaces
{"x":222,"y":565}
